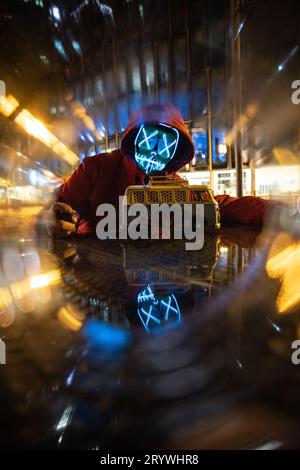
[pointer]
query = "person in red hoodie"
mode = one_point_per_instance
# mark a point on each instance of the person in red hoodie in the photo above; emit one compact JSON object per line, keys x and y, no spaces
{"x":155,"y":141}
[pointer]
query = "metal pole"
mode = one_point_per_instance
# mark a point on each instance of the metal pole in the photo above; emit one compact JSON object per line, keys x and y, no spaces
{"x":106,"y":140}
{"x":209,"y":126}
{"x":237,"y":108}
{"x":253,"y":181}
{"x":170,"y":52}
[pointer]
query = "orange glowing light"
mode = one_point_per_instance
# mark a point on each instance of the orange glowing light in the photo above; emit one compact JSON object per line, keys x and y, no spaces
{"x":34,"y":127}
{"x":43,"y":280}
{"x":37,"y":129}
{"x":5,"y":298}
{"x":284,"y":263}
{"x":21,"y":288}
{"x":70,"y":317}
{"x":8,"y":104}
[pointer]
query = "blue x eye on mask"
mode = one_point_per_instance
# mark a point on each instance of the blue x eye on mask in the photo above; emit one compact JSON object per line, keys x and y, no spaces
{"x":155,"y":146}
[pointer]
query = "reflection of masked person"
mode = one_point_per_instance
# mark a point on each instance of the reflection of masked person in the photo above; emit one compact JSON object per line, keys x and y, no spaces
{"x":155,"y":141}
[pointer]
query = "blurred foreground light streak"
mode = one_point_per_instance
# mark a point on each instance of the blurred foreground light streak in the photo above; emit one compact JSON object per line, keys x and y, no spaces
{"x":71,"y":317}
{"x":65,"y":419}
{"x":34,"y":127}
{"x":8,"y":104}
{"x":37,"y":129}
{"x":21,"y":288}
{"x":5,"y":298}
{"x":25,"y":294}
{"x":42,"y":280}
{"x":7,"y":311}
{"x":283,"y":263}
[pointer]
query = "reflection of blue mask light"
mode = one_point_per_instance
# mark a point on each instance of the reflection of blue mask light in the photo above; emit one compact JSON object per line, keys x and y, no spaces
{"x":157,"y":312}
{"x":105,"y":337}
{"x":155,"y":146}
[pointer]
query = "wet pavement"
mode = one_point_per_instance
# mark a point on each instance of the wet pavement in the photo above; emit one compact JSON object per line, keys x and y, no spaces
{"x":146,"y":345}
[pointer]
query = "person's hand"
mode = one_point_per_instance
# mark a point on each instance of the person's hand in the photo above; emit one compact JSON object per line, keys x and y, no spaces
{"x":61,"y":220}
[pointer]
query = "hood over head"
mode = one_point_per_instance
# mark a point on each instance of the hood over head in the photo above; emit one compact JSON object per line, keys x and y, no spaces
{"x":164,"y":114}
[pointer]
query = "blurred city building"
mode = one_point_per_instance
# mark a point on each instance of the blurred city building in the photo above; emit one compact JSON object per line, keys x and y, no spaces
{"x":83,"y":66}
{"x":33,"y":74}
{"x":32,"y":158}
{"x":124,"y":54}
{"x":224,"y":63}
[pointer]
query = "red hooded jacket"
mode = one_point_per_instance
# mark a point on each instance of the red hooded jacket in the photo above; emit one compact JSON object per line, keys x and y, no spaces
{"x":103,"y":178}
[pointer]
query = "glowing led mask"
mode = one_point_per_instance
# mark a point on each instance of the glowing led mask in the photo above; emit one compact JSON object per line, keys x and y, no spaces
{"x":155,"y":146}
{"x":157,"y":312}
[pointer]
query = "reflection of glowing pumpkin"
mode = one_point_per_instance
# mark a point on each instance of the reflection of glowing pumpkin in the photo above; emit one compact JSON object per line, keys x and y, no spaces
{"x":284,"y":263}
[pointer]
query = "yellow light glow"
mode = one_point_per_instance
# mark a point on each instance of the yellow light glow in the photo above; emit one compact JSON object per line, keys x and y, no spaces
{"x":36,"y":128}
{"x":43,"y":295}
{"x":244,"y":119}
{"x":5,"y":298}
{"x":43,"y":280}
{"x":7,"y":316}
{"x":284,"y":263}
{"x":70,"y":317}
{"x":285,"y":156}
{"x":8,"y":104}
{"x":21,"y":288}
{"x":67,"y":154}
{"x":27,"y":303}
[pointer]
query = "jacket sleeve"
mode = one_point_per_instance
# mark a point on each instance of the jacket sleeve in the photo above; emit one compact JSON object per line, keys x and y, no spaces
{"x":78,"y":187}
{"x":245,"y":210}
